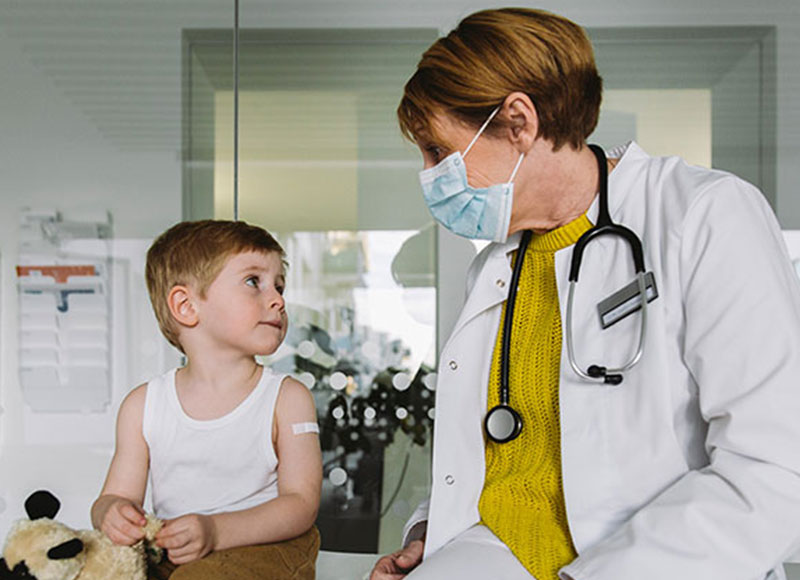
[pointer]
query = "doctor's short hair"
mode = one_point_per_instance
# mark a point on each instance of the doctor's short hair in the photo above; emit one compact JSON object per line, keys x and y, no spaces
{"x":193,"y":253}
{"x":493,"y":53}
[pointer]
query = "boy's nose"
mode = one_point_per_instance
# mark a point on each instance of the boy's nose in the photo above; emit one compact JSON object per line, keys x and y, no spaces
{"x":277,"y":300}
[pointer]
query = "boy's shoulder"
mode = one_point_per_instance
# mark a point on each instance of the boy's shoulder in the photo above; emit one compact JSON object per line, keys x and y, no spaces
{"x":131,"y":414}
{"x":139,"y":394}
{"x":291,"y":388}
{"x":135,"y":398}
{"x":294,"y":397}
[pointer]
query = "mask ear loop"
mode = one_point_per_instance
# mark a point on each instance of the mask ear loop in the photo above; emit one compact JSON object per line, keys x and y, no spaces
{"x":478,"y":134}
{"x":516,"y":168}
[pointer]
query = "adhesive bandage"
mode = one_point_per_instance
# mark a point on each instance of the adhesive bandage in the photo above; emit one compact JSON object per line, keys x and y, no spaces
{"x":300,"y":428}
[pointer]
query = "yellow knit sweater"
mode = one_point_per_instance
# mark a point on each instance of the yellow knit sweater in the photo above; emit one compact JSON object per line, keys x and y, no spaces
{"x":523,"y":499}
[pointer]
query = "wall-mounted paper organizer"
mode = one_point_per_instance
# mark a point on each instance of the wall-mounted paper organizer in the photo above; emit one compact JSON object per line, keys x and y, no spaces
{"x":64,"y":321}
{"x":64,"y":352}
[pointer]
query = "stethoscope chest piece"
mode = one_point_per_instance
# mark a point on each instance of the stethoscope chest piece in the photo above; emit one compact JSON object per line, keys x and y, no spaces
{"x":502,"y":424}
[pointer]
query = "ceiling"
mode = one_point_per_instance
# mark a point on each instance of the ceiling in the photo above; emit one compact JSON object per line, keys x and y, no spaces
{"x":124,"y":65}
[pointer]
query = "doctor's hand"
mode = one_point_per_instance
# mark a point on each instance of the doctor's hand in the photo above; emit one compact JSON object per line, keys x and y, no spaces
{"x":187,"y":538}
{"x":397,"y":565}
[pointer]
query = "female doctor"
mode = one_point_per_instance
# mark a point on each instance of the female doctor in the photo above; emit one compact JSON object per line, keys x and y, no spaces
{"x":598,"y":436}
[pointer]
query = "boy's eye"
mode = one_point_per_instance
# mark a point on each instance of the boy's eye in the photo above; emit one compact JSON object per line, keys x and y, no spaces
{"x":252,"y":281}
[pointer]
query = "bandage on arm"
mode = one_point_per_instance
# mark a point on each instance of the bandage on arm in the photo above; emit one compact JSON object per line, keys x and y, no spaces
{"x":301,"y":428}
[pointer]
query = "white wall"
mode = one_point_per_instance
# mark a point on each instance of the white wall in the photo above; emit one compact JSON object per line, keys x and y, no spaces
{"x":51,"y":156}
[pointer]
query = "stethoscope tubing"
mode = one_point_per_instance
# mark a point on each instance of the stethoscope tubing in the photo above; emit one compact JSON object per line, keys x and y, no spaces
{"x":602,"y":374}
{"x":606,"y":227}
{"x":594,"y":373}
{"x":508,"y":321}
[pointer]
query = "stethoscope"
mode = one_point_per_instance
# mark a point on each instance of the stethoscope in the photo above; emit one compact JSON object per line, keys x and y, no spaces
{"x":503,"y":423}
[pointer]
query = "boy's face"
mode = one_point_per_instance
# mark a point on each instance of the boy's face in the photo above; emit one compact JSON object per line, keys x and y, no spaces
{"x":244,"y":308}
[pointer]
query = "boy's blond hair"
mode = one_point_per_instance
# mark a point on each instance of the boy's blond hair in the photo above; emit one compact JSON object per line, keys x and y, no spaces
{"x":194,"y":253}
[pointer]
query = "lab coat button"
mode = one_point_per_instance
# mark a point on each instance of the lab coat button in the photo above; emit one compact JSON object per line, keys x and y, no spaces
{"x":501,"y":283}
{"x":449,"y":480}
{"x":453,"y":365}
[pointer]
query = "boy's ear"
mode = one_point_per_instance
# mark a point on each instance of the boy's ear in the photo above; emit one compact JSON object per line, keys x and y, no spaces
{"x":182,"y":306}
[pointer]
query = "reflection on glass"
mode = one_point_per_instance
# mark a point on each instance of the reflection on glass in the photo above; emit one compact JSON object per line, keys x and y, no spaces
{"x":319,"y":147}
{"x":362,"y":332}
{"x":320,"y":152}
{"x":707,"y":94}
{"x":663,"y":122}
{"x":792,"y":239}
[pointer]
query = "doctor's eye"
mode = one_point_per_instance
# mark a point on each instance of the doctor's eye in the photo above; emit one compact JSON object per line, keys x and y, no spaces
{"x":434,"y":152}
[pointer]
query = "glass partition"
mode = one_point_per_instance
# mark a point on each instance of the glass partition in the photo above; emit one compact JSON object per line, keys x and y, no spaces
{"x":362,"y":307}
{"x":322,"y":165}
{"x":706,"y":94}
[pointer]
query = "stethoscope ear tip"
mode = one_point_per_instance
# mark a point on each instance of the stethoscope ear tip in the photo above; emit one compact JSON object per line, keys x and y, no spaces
{"x":598,"y":372}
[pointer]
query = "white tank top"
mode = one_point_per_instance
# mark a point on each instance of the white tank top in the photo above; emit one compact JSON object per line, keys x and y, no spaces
{"x":207,"y":467}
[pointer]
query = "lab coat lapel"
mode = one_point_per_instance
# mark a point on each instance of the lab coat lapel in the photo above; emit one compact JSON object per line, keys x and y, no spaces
{"x":491,"y":282}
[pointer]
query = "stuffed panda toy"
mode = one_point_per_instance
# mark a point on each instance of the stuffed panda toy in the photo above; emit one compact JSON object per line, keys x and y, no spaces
{"x":43,"y":549}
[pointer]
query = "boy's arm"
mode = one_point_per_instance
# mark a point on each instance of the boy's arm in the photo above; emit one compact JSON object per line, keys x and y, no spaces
{"x":299,"y":479}
{"x":287,"y":516}
{"x":118,"y":510}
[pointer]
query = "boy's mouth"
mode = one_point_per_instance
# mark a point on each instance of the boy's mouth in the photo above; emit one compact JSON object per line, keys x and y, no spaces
{"x":276,"y":323}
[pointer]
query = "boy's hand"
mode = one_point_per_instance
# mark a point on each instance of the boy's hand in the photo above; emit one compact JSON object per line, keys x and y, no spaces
{"x":123,"y":521}
{"x":187,"y":538}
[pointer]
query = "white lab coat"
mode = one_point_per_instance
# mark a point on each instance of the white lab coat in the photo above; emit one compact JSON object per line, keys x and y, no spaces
{"x":690,"y":468}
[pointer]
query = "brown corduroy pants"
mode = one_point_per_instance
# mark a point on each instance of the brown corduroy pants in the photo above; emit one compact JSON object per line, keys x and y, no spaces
{"x":293,"y":559}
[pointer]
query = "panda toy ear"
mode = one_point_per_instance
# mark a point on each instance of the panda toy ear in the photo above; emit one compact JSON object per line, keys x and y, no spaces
{"x":42,"y":504}
{"x":4,"y":571}
{"x":20,"y":572}
{"x":65,"y":551}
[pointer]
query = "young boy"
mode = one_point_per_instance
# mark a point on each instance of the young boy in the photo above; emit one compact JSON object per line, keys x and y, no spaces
{"x":231,"y":447}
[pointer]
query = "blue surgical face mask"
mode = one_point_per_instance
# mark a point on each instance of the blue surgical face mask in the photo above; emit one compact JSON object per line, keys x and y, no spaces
{"x":477,"y":213}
